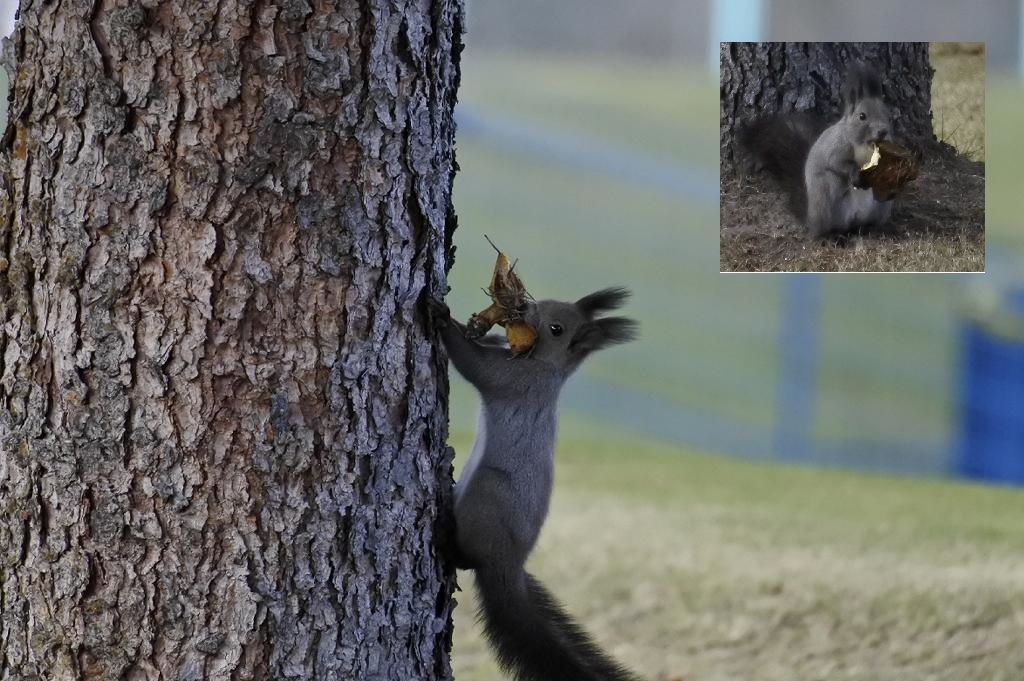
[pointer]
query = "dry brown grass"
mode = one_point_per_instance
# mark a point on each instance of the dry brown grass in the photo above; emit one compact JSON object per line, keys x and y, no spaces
{"x":709,"y":569}
{"x":958,"y":96}
{"x":937,"y":226}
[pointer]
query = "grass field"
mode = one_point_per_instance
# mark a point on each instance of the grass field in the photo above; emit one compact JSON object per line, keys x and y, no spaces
{"x":691,"y":567}
{"x":1005,"y":205}
{"x":656,"y":108}
{"x":958,"y":97}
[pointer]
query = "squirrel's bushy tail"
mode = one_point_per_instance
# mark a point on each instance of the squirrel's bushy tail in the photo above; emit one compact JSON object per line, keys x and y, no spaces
{"x":534,"y":638}
{"x":779,"y":144}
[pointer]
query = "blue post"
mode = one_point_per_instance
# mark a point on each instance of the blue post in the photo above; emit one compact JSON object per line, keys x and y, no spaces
{"x":990,"y":445}
{"x":734,"y":21}
{"x":798,"y":366}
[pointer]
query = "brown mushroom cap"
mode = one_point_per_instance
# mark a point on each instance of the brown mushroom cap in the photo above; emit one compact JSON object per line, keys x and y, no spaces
{"x":887,"y":174}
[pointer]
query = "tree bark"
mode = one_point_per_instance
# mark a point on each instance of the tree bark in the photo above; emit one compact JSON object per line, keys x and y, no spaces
{"x":222,"y":413}
{"x":767,"y":78}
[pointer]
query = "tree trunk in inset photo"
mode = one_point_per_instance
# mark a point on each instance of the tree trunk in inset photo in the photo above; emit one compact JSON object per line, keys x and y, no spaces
{"x":223,"y":416}
{"x":765,"y":78}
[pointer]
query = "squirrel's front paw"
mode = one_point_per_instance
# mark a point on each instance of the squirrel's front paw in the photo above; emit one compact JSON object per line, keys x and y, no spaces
{"x":439,"y":312}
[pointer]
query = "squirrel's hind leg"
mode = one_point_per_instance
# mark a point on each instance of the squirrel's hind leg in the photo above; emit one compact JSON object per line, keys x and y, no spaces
{"x":881,"y":211}
{"x":820,"y":211}
{"x":859,"y":208}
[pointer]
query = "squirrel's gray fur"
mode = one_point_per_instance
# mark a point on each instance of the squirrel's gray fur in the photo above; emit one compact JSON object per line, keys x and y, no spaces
{"x":819,"y":164}
{"x":501,"y":499}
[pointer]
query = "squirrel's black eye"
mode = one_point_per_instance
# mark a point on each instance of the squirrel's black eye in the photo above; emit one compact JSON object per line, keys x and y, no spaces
{"x":863,"y":116}
{"x":556,"y":329}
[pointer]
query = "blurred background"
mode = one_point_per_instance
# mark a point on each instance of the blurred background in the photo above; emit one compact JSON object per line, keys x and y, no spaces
{"x":587,"y":144}
{"x":681,"y":531}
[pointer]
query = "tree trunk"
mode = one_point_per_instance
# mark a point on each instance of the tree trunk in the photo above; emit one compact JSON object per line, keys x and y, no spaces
{"x":222,"y":414}
{"x":766,"y":78}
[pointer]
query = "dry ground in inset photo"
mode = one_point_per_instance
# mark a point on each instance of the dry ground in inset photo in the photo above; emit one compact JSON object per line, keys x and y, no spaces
{"x":938,"y":222}
{"x":937,"y":226}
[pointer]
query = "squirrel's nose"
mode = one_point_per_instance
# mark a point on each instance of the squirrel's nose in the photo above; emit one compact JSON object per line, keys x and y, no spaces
{"x":882,"y":134}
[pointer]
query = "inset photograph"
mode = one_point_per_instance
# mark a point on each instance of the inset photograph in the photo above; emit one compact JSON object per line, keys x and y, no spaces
{"x":852,"y":157}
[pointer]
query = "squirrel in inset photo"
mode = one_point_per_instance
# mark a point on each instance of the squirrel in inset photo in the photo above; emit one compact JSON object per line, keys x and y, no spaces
{"x":502,"y":496}
{"x":819,"y":164}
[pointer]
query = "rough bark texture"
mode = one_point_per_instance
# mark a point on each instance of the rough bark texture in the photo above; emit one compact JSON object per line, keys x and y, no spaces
{"x":765,"y":78}
{"x":222,"y":414}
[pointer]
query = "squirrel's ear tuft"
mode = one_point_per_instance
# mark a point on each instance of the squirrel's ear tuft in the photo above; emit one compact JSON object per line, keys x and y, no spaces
{"x":603,"y":300}
{"x":862,"y":82}
{"x":603,"y":332}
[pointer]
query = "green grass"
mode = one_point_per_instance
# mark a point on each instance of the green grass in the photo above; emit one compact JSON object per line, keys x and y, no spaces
{"x":865,"y":346}
{"x":1004,"y":209}
{"x":692,"y":566}
{"x":653,"y":107}
{"x":958,"y":98}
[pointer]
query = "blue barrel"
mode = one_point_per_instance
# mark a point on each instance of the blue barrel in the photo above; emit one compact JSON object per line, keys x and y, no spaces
{"x":991,"y":442}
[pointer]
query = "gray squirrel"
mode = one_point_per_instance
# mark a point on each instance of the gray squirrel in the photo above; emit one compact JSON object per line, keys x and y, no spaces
{"x":501,"y":499}
{"x":819,"y":164}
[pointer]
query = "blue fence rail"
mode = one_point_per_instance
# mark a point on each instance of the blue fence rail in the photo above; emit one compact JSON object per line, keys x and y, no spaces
{"x":991,"y":435}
